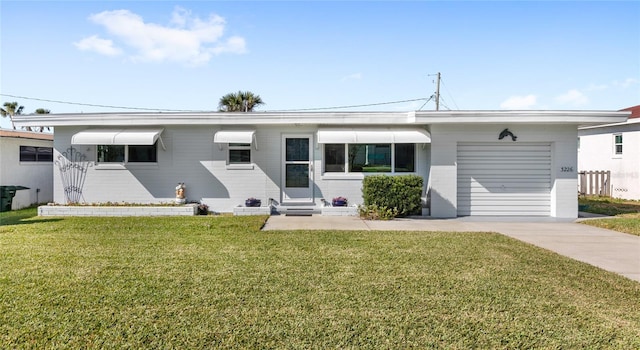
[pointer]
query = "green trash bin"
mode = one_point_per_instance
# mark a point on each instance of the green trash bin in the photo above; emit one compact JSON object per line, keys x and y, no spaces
{"x":6,"y":196}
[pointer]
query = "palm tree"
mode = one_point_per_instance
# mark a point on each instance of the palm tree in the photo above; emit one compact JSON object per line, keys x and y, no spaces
{"x":43,"y":111}
{"x":242,"y":101}
{"x":10,"y":109}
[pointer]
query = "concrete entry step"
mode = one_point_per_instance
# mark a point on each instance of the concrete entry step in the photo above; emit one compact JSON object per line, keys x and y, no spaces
{"x":298,"y":209}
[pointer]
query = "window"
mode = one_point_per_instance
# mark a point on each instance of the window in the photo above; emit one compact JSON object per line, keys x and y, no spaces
{"x":36,"y":154}
{"x":373,"y":158}
{"x":111,"y":154}
{"x":239,"y":153}
{"x":405,"y":158}
{"x":617,"y":143}
{"x":143,"y":154}
{"x":127,"y":153}
{"x":334,"y":158}
{"x":369,"y":158}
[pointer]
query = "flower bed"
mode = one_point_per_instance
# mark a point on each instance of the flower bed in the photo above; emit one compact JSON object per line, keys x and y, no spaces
{"x":118,"y":210}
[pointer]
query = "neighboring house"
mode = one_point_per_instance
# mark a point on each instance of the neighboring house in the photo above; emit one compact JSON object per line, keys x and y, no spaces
{"x":518,"y":163}
{"x":26,"y":159}
{"x":614,"y":147}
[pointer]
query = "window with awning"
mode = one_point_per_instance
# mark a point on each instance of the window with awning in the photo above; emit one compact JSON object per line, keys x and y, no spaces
{"x":122,"y":145}
{"x":239,"y":142}
{"x":117,"y":137}
{"x":370,"y":150}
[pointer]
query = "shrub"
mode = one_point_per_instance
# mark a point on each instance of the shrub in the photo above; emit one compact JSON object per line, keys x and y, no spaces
{"x":398,"y":192}
{"x":374,"y":212}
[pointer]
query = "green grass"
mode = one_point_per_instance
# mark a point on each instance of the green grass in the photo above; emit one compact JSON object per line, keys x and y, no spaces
{"x":627,"y":223}
{"x":609,"y":206}
{"x":208,"y":281}
{"x":626,"y":212}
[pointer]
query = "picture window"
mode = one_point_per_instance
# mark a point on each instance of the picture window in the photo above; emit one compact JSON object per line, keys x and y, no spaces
{"x":369,"y":158}
{"x":127,"y":153}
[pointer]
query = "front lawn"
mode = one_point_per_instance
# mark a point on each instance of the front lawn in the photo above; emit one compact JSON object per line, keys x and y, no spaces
{"x":609,"y":206}
{"x":626,"y":212}
{"x":208,"y":281}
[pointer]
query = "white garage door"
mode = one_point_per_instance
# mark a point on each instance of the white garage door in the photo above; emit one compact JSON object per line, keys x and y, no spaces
{"x":504,"y":179}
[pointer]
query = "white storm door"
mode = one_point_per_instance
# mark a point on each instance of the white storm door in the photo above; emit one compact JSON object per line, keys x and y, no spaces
{"x":297,"y":168}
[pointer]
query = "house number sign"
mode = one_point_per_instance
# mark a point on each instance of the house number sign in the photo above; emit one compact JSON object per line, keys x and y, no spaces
{"x":566,"y":169}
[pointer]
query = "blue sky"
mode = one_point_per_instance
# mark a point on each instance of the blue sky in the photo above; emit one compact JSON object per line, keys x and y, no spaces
{"x":180,"y":55}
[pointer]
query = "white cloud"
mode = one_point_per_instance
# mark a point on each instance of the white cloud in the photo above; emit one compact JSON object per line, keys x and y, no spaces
{"x":573,"y":97}
{"x":187,"y":39}
{"x":597,"y":87}
{"x":626,"y":83}
{"x":519,"y":102}
{"x":101,"y":46}
{"x":354,"y":76}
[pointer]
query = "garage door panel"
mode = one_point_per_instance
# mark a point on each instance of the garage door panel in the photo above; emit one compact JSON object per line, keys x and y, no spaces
{"x":504,"y":179}
{"x":477,"y":173}
{"x":500,"y":147}
{"x":481,"y":195}
{"x":498,"y":189}
{"x":533,"y":211}
{"x":471,"y":156}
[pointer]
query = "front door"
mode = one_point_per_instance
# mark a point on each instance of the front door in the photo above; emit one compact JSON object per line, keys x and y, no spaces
{"x":297,"y":168}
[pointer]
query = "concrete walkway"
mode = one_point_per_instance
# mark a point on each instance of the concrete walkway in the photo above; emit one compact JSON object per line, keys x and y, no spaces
{"x":609,"y":250}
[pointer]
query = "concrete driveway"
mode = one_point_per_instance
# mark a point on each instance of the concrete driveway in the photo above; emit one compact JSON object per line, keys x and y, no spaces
{"x":609,"y":250}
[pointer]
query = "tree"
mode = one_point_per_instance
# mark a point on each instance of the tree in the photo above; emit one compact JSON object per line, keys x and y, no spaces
{"x":10,"y":109}
{"x":242,"y":101}
{"x":43,"y":111}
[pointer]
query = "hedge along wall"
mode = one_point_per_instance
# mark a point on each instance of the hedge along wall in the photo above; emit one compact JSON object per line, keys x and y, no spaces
{"x":400,"y":192}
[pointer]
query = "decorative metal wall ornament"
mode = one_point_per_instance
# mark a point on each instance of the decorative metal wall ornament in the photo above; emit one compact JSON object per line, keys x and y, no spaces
{"x":73,"y":167}
{"x":506,"y":133}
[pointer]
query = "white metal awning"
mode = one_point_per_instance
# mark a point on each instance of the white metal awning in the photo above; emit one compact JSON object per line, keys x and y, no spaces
{"x":117,"y":137}
{"x":234,"y":136}
{"x":373,"y":136}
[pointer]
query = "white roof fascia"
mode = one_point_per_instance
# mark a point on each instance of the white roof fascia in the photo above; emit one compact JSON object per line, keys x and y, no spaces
{"x":521,"y":117}
{"x":323,"y":118}
{"x":214,"y":118}
{"x":628,"y":122}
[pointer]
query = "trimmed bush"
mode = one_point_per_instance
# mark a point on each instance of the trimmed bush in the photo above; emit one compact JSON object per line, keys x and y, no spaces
{"x":394,"y":192}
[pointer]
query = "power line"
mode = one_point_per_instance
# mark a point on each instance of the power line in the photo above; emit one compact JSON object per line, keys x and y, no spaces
{"x":98,"y":105}
{"x":186,"y":110}
{"x":425,"y":102}
{"x":352,"y":106}
{"x":449,"y":93}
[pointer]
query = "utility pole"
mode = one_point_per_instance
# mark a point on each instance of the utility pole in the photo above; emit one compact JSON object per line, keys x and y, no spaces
{"x":438,"y":93}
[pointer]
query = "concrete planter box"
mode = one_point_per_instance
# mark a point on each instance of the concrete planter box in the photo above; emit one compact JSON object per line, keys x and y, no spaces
{"x":243,"y":211}
{"x":340,"y":211}
{"x":61,"y":210}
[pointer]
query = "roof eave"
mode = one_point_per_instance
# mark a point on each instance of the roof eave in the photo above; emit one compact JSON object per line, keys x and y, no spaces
{"x":324,"y":118}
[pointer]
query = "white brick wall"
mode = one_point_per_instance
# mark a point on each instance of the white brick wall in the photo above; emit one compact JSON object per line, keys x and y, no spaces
{"x":192,"y":157}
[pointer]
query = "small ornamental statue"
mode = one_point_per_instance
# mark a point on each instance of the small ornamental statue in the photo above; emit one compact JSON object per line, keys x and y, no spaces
{"x":180,"y":199}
